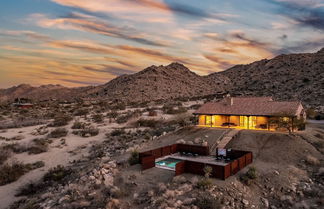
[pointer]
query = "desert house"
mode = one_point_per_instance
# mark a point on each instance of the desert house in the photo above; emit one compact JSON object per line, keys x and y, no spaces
{"x":22,"y":103}
{"x":259,"y":113}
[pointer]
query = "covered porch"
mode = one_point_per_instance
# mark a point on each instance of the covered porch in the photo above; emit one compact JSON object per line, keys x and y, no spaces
{"x":236,"y":121}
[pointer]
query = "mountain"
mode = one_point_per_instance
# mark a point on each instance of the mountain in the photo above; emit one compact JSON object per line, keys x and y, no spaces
{"x":44,"y":92}
{"x":161,"y":82}
{"x":286,"y":77}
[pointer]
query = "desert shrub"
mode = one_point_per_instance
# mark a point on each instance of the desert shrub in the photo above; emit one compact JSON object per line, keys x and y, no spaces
{"x":311,"y":113}
{"x":78,"y":125}
{"x":16,"y":148}
{"x":98,"y":118}
{"x":195,"y":106}
{"x":39,"y":146}
{"x":37,"y":164}
{"x":151,"y":123}
{"x":123,"y":118}
{"x":152,"y":113}
{"x":11,"y":172}
{"x":206,"y":201}
{"x":134,"y":158}
{"x":118,"y":106}
{"x":204,"y":183}
{"x":208,"y":170}
{"x":57,"y":173}
{"x":4,"y":155}
{"x":29,"y":189}
{"x":163,"y":129}
{"x":61,"y":120}
{"x":112,"y":114}
{"x":249,"y":176}
{"x":172,"y":109}
{"x":81,"y":112}
{"x":117,"y":132}
{"x":251,"y":173}
{"x":87,"y":131}
{"x":319,"y":144}
{"x":58,"y":132}
{"x":17,"y":138}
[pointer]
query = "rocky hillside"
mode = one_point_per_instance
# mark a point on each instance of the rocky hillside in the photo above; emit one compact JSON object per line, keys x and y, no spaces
{"x":286,"y":77}
{"x":161,"y":82}
{"x":293,"y":76}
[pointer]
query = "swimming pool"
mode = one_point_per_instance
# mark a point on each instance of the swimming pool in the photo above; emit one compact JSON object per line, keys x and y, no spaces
{"x":168,"y":163}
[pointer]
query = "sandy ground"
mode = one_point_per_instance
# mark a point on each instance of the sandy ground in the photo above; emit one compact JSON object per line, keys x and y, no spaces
{"x":269,"y":152}
{"x":75,"y":148}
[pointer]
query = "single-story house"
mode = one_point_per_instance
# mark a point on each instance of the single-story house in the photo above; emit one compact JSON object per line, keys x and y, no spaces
{"x":22,"y":103}
{"x":250,"y":113}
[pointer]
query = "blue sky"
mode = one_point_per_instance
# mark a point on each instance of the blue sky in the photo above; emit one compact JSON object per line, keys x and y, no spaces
{"x":83,"y":42}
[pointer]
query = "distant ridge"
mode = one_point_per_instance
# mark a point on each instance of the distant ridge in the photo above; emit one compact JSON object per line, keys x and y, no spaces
{"x":285,"y":77}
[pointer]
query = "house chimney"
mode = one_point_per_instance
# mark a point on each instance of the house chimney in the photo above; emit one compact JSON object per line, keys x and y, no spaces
{"x":228,"y":100}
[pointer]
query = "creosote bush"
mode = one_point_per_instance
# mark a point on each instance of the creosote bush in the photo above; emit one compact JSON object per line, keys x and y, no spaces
{"x":78,"y":125}
{"x":151,"y":123}
{"x":38,"y":146}
{"x":98,"y":118}
{"x":81,"y":112}
{"x":134,"y":158}
{"x":4,"y":155}
{"x":61,"y":120}
{"x":58,"y":132}
{"x":11,"y":172}
{"x":57,"y":173}
{"x":116,"y":132}
{"x":249,"y":176}
{"x":204,"y":183}
{"x":87,"y":131}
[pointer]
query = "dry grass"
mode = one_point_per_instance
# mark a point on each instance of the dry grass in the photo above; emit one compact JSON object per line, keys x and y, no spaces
{"x":11,"y":172}
{"x":61,"y":120}
{"x":87,"y":131}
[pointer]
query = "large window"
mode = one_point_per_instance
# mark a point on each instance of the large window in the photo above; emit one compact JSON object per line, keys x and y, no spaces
{"x":208,"y":120}
{"x":248,"y":122}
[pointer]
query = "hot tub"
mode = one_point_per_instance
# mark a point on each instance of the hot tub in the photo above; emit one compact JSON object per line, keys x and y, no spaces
{"x":167,"y":163}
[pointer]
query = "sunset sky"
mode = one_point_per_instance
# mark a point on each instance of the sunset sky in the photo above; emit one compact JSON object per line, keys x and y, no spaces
{"x":89,"y":42}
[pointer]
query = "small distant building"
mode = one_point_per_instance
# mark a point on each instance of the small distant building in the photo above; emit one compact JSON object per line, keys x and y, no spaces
{"x":22,"y":103}
{"x":249,"y":113}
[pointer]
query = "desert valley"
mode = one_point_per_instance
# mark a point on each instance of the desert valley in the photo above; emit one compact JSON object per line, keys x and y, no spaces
{"x":80,"y":147}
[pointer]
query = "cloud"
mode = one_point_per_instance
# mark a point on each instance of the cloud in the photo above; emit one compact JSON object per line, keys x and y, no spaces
{"x":78,"y":82}
{"x":140,"y":7}
{"x":29,"y":34}
{"x":221,"y":63}
{"x":83,"y":46}
{"x":242,"y":36}
{"x":306,"y":13}
{"x":235,"y":47}
{"x":309,"y":45}
{"x":77,"y":21}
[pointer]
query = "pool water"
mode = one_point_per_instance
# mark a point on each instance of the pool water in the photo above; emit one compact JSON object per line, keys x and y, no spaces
{"x":167,"y":163}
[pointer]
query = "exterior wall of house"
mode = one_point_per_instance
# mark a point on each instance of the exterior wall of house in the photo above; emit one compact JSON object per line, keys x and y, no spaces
{"x":301,"y":113}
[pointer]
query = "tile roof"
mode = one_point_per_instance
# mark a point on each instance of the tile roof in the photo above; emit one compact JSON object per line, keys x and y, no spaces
{"x":258,"y":106}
